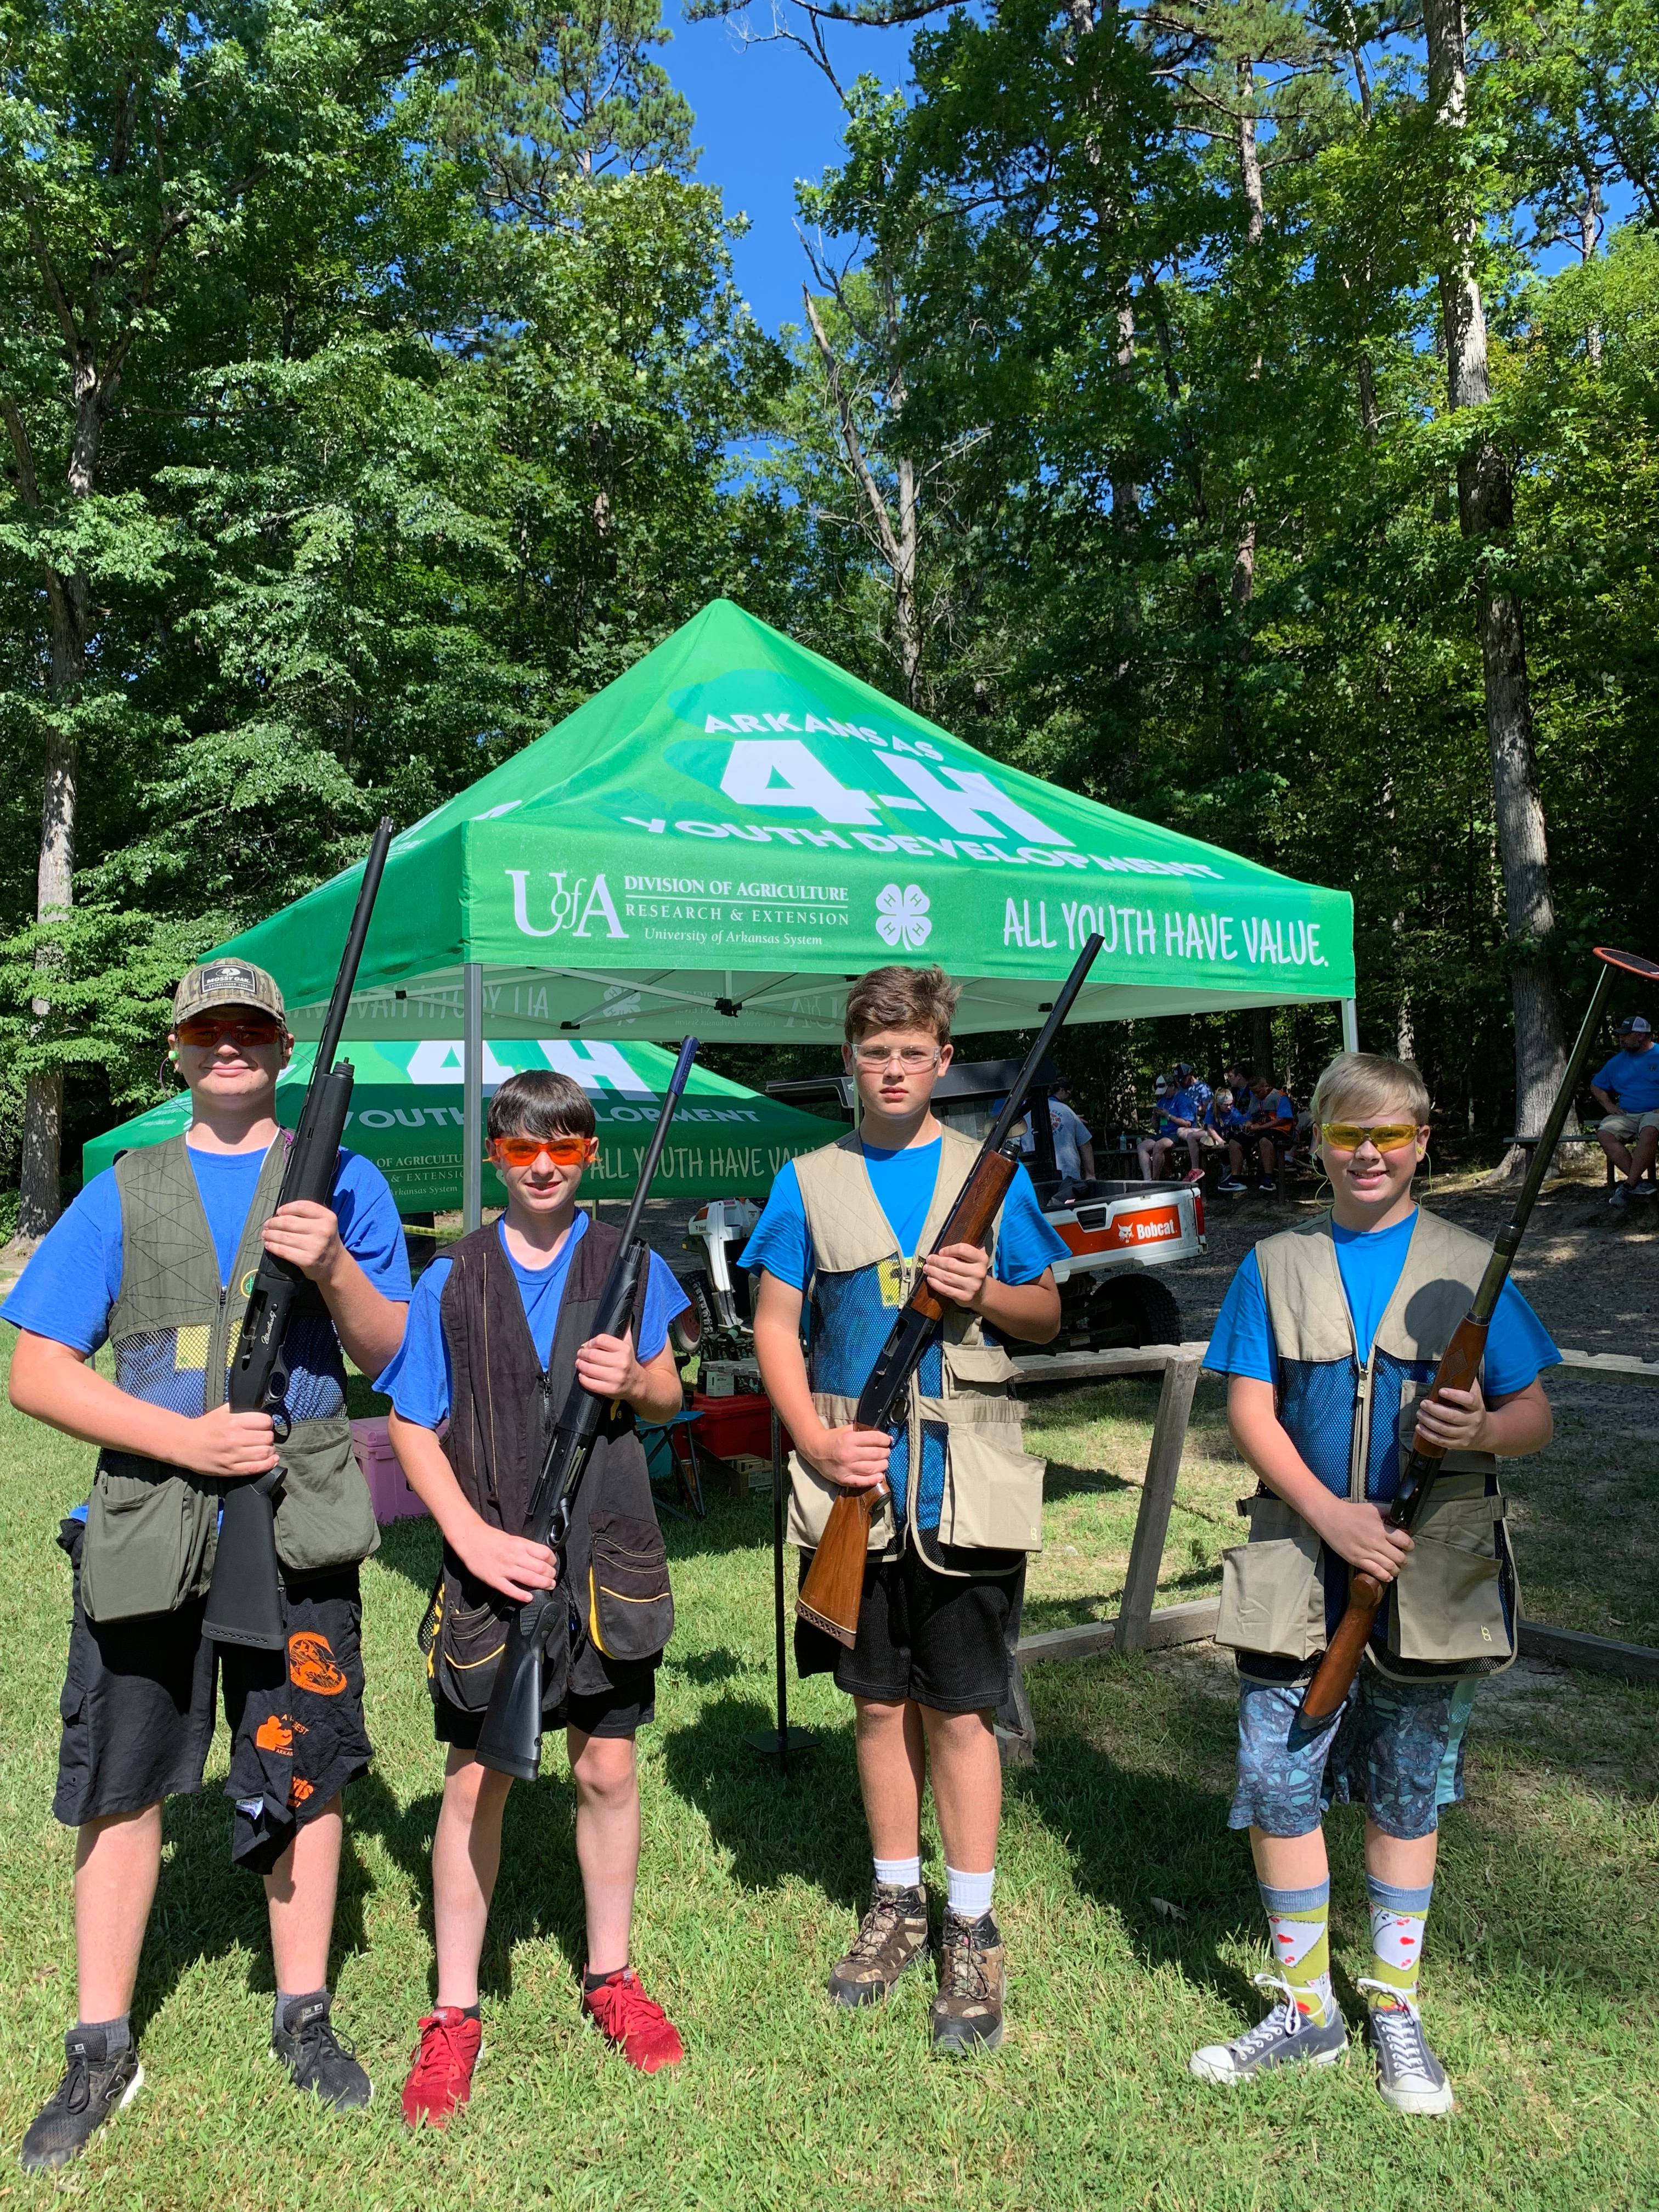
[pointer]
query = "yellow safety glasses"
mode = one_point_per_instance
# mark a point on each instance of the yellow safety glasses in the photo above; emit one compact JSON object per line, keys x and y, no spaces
{"x":1386,"y":1136}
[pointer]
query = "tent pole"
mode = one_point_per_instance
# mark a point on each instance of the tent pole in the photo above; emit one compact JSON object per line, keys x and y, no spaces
{"x":1350,"y":1023}
{"x":472,"y":1097}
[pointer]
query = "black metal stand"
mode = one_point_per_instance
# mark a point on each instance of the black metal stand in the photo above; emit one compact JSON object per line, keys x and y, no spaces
{"x":778,"y":1743}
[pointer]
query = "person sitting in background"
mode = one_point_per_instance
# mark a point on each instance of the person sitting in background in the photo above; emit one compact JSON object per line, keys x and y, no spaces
{"x":1074,"y":1151}
{"x":1270,"y":1122}
{"x":1174,"y":1110}
{"x":1229,"y":1121}
{"x":1199,"y":1133}
{"x":1628,"y":1088}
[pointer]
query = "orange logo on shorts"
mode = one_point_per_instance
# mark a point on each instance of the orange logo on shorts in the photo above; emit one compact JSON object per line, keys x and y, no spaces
{"x":311,"y":1666}
{"x":275,"y":1734}
{"x":298,"y":1791}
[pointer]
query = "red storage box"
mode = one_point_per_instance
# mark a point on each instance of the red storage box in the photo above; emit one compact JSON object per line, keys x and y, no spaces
{"x":741,"y":1423}
{"x":393,"y":1499}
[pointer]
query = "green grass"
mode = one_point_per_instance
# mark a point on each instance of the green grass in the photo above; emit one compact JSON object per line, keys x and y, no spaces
{"x":1542,"y":1977}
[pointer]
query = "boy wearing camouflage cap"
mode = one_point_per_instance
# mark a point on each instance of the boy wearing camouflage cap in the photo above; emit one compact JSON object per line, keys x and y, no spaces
{"x":156,"y":1257}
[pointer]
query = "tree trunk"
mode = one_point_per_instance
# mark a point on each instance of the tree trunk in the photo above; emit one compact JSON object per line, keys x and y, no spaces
{"x":1486,"y":511}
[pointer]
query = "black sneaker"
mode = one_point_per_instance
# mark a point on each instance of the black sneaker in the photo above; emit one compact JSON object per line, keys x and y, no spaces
{"x":94,"y":2085}
{"x":317,"y":2058}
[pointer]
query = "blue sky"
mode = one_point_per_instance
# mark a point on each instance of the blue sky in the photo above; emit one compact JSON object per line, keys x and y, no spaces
{"x":765,"y":116}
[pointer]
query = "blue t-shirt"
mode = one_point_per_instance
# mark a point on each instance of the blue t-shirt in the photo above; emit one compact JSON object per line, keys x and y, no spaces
{"x":1634,"y":1076}
{"x":419,"y":1381}
{"x":1276,"y":1106}
{"x":70,"y":1285}
{"x":1176,"y":1106}
{"x":903,"y":1184}
{"x":1517,"y":1348}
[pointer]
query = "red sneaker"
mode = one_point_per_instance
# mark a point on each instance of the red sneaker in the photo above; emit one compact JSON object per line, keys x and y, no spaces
{"x":441,"y":2080}
{"x":632,"y":2023}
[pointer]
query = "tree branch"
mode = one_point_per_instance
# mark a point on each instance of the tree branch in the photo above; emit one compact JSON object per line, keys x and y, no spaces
{"x":852,"y":444}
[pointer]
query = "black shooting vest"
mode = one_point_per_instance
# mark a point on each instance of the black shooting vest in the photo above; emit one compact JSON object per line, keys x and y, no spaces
{"x":504,"y":1407}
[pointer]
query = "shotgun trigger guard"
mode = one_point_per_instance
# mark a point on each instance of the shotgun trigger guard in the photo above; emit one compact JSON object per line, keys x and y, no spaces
{"x":280,"y":1427}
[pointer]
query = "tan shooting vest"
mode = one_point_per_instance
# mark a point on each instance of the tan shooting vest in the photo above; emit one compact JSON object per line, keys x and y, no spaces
{"x":993,"y":1495}
{"x":1453,"y":1607}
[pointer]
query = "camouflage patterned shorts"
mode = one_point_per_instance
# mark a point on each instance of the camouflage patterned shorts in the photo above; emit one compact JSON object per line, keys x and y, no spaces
{"x":1396,"y":1749}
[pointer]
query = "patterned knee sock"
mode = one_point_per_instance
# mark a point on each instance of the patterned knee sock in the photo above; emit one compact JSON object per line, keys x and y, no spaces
{"x":1397,"y":1918}
{"x":1299,"y":1920}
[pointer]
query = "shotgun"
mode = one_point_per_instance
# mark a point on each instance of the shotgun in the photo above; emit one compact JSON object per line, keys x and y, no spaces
{"x":833,"y":1589}
{"x":244,"y":1604}
{"x":510,"y":1740}
{"x":1460,"y":1364}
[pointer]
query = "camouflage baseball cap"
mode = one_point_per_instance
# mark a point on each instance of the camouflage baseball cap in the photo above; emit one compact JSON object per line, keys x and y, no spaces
{"x":227,"y":983}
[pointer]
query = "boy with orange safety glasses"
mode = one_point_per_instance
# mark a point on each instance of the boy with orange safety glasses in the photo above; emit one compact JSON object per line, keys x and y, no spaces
{"x":498,"y":1332}
{"x":1330,"y":1335}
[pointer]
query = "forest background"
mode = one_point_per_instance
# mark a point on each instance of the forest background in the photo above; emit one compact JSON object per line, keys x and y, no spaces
{"x":1246,"y":413}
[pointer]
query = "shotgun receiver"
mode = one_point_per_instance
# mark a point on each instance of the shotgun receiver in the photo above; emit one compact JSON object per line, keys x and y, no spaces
{"x":833,"y":1589}
{"x":244,"y":1602}
{"x":1460,"y":1364}
{"x":510,"y":1740}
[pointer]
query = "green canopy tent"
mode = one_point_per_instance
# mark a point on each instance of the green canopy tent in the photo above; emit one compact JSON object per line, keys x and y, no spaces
{"x":722,"y":838}
{"x":407,"y":1115}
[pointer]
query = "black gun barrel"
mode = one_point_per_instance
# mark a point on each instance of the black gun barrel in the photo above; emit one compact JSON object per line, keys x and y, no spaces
{"x":510,"y":1740}
{"x":244,"y":1603}
{"x":1068,"y":990}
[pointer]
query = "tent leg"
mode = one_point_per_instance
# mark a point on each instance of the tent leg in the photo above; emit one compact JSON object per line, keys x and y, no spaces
{"x":1350,"y":1023}
{"x":472,"y":1097}
{"x":778,"y":1743}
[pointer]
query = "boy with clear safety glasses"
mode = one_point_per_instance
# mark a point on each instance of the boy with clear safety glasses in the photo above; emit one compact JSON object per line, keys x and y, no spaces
{"x":1329,"y":1335}
{"x":844,"y":1232}
{"x":499,"y":1329}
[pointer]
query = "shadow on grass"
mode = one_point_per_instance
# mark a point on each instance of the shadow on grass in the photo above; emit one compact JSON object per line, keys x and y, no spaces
{"x":413,"y":1549}
{"x":808,"y":1823}
{"x":206,"y":1907}
{"x":538,"y":1896}
{"x":1064,"y":1481}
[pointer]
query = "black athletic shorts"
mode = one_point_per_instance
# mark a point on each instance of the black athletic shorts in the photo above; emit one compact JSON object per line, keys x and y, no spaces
{"x":138,"y":1710}
{"x":939,"y":1640}
{"x":621,"y":1710}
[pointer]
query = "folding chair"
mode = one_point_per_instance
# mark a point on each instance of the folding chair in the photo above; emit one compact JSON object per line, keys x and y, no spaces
{"x":670,"y":1449}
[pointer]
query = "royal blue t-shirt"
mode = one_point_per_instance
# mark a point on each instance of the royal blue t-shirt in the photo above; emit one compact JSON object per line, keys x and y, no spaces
{"x":1176,"y":1106}
{"x":1518,"y":1346}
{"x":903,"y":1184}
{"x":419,"y":1381}
{"x":70,"y":1285}
{"x":1635,"y":1077}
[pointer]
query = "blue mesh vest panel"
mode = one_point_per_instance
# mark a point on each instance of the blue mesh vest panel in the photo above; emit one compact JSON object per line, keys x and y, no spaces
{"x":851,"y":1315}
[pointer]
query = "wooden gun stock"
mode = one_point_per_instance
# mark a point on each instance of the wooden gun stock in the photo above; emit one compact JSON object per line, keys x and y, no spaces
{"x":833,"y":1589}
{"x":1333,"y":1679}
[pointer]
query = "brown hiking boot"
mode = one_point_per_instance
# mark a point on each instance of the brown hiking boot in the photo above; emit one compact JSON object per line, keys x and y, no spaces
{"x":968,"y":2010}
{"x":892,"y":1936}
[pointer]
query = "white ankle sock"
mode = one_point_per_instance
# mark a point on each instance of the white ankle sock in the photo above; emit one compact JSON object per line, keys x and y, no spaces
{"x":969,"y":1894}
{"x":902,"y":1874}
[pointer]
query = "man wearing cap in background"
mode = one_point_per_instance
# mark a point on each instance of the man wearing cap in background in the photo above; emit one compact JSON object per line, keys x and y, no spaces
{"x":157,"y":1256}
{"x":1627,"y":1088}
{"x":1074,"y":1145}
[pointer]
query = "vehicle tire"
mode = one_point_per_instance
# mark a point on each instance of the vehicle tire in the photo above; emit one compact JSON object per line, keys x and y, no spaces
{"x":1133,"y":1309}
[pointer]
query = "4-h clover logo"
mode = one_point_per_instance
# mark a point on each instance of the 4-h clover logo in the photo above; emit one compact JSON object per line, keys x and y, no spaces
{"x":902,"y":917}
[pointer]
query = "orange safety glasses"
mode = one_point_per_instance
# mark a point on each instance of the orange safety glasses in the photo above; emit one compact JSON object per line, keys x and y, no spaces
{"x":1386,"y":1136}
{"x":525,"y":1152}
{"x":240,"y":1029}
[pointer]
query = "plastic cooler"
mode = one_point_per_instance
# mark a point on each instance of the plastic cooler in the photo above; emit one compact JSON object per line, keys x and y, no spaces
{"x":393,"y":1499}
{"x":738,"y":1425}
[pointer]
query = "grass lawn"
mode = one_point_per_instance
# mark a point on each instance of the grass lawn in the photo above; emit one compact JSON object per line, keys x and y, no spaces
{"x":1129,"y":1912}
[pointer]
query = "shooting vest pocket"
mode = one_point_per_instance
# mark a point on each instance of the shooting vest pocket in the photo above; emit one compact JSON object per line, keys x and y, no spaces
{"x":813,"y":1496}
{"x":1448,"y":1608}
{"x":1272,"y":1588}
{"x":324,"y":1511}
{"x":630,"y":1608}
{"x":993,"y":1490}
{"x":151,"y":1530}
{"x":463,"y":1636}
